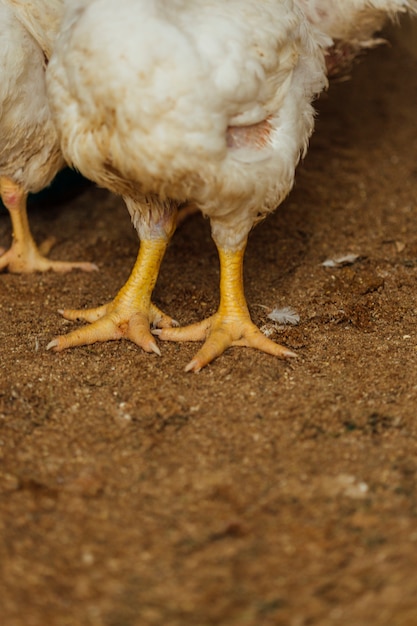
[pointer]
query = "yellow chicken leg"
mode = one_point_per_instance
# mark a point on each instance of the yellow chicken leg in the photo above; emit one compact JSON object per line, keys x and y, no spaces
{"x":230,"y":325}
{"x":24,"y":256}
{"x":131,"y":312}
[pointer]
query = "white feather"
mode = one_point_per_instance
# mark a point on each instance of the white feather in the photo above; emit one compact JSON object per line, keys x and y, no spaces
{"x":285,"y":315}
{"x":341,"y":261}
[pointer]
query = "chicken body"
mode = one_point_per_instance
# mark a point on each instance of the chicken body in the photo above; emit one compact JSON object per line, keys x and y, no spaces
{"x":168,"y":101}
{"x":30,"y":155}
{"x":352,"y":25}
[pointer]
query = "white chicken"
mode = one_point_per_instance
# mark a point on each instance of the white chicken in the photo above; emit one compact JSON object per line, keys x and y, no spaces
{"x":352,"y":25}
{"x":30,"y":155}
{"x":167,"y":101}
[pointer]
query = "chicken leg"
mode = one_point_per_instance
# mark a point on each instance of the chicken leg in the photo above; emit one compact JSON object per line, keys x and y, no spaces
{"x":230,"y":325}
{"x":131,"y":312}
{"x":24,"y":256}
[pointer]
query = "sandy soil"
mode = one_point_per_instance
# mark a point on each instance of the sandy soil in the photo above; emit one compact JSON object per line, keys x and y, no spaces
{"x":258,"y":492}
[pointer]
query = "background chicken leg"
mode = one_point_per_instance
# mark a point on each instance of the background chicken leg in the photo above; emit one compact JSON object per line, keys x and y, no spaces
{"x":24,"y":256}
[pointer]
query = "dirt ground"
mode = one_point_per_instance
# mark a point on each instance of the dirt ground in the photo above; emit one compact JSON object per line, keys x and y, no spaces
{"x":258,"y":492}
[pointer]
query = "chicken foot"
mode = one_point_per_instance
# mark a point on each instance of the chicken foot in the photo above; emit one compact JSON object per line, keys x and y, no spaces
{"x":131,"y":312}
{"x":231,"y":325}
{"x":24,"y":256}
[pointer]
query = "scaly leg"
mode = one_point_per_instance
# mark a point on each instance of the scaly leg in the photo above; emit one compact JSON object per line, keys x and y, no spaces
{"x":230,"y":325}
{"x":131,"y":312}
{"x":23,"y":256}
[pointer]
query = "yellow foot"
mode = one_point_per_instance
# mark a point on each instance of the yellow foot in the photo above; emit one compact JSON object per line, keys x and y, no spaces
{"x":24,"y":257}
{"x":130,"y":314}
{"x":220,"y":332}
{"x":113,"y":321}
{"x":27,"y":258}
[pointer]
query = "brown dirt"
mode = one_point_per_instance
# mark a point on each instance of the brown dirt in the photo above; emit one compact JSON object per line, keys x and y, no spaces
{"x":259,"y":492}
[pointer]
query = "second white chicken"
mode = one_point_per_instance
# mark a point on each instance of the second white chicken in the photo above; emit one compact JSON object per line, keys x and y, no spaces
{"x":30,"y":155}
{"x":352,"y":25}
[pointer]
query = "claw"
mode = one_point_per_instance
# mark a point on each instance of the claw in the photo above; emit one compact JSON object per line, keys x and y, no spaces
{"x":155,"y":348}
{"x":193,"y":366}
